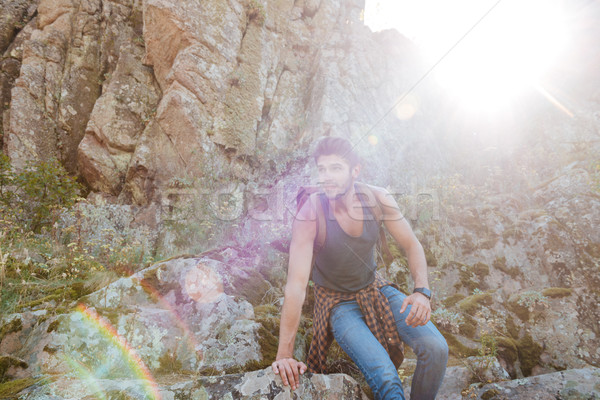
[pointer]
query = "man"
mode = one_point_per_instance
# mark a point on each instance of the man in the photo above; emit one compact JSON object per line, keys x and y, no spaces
{"x":367,"y":316}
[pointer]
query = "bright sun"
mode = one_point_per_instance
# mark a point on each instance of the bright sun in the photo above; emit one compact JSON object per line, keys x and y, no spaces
{"x":502,"y":54}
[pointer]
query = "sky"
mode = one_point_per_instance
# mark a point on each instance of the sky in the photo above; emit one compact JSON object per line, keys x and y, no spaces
{"x":485,"y":52}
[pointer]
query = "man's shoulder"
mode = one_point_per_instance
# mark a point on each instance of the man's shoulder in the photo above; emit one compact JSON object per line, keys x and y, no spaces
{"x":378,"y":191}
{"x":308,"y":211}
{"x":385,"y":201}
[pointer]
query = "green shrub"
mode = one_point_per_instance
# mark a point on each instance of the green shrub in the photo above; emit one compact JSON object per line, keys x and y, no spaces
{"x":447,"y":320}
{"x":37,"y":192}
{"x":6,"y":180}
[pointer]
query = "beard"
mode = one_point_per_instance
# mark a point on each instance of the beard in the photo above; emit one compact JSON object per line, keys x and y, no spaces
{"x":345,"y":188}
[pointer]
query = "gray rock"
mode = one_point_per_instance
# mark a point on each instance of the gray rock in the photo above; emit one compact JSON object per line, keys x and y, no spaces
{"x":475,"y":369}
{"x":172,"y":316}
{"x":571,"y":384}
{"x":262,"y":384}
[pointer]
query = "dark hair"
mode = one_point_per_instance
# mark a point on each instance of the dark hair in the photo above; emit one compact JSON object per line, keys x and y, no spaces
{"x":336,"y":145}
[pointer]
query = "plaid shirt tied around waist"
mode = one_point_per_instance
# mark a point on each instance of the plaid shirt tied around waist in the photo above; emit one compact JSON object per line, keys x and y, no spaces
{"x":378,"y":314}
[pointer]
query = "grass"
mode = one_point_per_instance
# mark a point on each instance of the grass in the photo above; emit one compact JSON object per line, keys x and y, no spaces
{"x":9,"y":390}
{"x":51,"y":269}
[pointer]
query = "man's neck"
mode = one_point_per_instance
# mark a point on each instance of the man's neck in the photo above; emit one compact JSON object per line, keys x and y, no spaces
{"x":343,"y":202}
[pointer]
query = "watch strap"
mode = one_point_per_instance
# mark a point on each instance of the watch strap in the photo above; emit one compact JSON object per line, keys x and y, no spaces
{"x":424,"y":291}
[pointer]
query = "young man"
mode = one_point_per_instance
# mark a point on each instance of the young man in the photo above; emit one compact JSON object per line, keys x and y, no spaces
{"x":367,"y":316}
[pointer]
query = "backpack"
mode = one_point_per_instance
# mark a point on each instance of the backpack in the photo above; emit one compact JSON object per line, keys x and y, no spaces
{"x":304,"y":193}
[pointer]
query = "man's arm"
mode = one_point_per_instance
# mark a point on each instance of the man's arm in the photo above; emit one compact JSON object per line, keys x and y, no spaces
{"x":402,"y":233}
{"x":304,"y":231}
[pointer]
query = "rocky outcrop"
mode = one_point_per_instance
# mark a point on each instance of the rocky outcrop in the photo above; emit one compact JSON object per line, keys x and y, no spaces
{"x":474,"y":369}
{"x":127,"y":104}
{"x":568,"y":385}
{"x":238,"y":85}
{"x":72,"y":49}
{"x":15,"y":15}
{"x":252,"y":385}
{"x":175,"y":314}
{"x":177,"y":321}
{"x":527,"y":274}
{"x":190,"y":122}
{"x":16,"y":26}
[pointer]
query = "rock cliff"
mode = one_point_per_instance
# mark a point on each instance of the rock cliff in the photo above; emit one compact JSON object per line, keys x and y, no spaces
{"x":189,"y":123}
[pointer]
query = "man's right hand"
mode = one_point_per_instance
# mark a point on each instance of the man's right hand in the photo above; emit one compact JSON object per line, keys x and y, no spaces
{"x":289,"y":370}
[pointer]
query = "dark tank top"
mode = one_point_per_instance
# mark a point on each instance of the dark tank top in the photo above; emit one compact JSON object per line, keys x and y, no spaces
{"x":346,"y":263}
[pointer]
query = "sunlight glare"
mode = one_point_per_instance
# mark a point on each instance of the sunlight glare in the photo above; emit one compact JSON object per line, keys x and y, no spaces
{"x":506,"y":53}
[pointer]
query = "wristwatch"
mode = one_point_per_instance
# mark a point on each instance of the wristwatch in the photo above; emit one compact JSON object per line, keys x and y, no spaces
{"x":424,"y":291}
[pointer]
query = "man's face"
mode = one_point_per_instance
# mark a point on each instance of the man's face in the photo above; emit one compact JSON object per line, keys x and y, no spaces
{"x":335,"y":174}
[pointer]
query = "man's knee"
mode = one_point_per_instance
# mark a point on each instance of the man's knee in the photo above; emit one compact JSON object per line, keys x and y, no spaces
{"x":441,"y":351}
{"x":433,"y":349}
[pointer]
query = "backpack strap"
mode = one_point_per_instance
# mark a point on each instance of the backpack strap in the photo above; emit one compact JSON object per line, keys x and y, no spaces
{"x":377,"y":210}
{"x":321,"y":225}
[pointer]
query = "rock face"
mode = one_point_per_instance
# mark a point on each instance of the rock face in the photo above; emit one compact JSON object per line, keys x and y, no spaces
{"x":16,"y":26}
{"x":174,"y":314}
{"x":119,"y":116}
{"x":69,"y":52}
{"x":252,"y":385}
{"x":189,"y":122}
{"x":528,"y":274}
{"x":457,"y":378}
{"x":221,"y":89}
{"x":570,"y":384}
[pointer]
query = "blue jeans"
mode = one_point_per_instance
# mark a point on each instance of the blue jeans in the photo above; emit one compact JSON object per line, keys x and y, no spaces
{"x":355,"y":338}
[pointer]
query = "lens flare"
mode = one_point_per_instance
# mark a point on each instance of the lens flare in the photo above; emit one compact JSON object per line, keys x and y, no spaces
{"x":407,"y":107}
{"x":187,"y":334}
{"x":134,"y":362}
{"x":203,"y":284}
{"x":485,"y":54}
{"x":86,"y":375}
{"x":373,"y":140}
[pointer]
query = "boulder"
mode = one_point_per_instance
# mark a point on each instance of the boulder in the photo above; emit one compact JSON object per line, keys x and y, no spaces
{"x":172,"y":316}
{"x":261,"y":384}
{"x":572,"y":384}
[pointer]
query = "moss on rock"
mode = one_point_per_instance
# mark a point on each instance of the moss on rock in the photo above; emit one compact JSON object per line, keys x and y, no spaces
{"x":472,"y":276}
{"x":430,"y":258}
{"x":507,"y":349}
{"x":112,"y":313}
{"x":53,"y":325}
{"x":13,"y":326}
{"x":458,"y":349}
{"x":472,"y":303}
{"x":489,"y":394}
{"x":481,"y":270}
{"x":557,"y":292}
{"x":500,"y":264}
{"x":59,"y":295}
{"x":452,"y":300}
{"x":520,"y":311}
{"x":529,"y":354}
{"x":511,"y":328}
{"x":8,"y":361}
{"x":469,"y":326}
{"x":168,"y":363}
{"x":10,"y":389}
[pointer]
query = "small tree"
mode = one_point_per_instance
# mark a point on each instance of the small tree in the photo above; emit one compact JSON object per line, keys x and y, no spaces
{"x":6,"y":180}
{"x":36,"y":191}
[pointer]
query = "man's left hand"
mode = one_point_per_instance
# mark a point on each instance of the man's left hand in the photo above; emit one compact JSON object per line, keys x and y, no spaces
{"x":420,"y":311}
